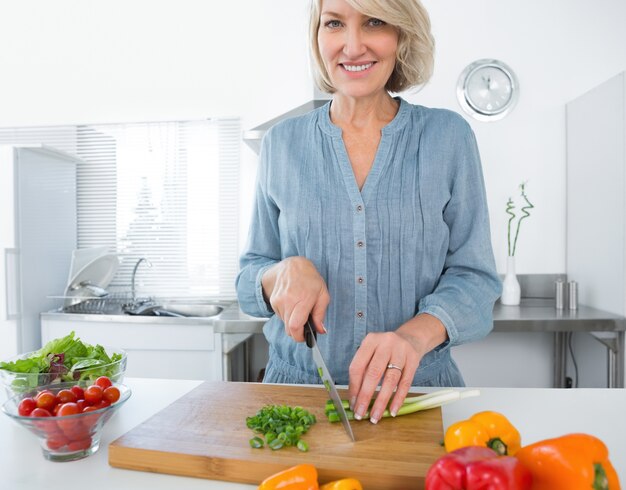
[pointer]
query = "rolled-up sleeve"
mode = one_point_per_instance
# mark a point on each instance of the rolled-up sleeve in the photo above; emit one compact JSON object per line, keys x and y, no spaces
{"x":465,"y":294}
{"x":263,"y":246}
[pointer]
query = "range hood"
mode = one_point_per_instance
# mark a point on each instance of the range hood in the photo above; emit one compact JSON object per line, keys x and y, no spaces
{"x":254,"y":136}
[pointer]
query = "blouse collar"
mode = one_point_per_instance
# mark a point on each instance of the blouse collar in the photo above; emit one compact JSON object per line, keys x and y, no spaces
{"x":395,"y":124}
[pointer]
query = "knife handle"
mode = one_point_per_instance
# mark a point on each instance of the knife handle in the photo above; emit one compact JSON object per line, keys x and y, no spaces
{"x":309,"y":333}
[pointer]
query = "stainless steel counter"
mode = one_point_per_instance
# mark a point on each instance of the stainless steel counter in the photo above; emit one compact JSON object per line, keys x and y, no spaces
{"x":231,"y":320}
{"x":540,"y":315}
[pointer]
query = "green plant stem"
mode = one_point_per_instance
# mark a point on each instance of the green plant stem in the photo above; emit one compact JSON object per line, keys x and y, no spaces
{"x":524,"y":210}
{"x":510,"y":206}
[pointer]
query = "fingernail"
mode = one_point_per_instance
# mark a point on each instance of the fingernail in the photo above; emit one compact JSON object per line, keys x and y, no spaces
{"x":393,"y":412}
{"x":324,"y":328}
{"x":375,"y":417}
{"x":352,"y":402}
{"x":359,"y":412}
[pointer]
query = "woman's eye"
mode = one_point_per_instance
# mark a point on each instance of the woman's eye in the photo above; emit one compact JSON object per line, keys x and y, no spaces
{"x":376,"y":22}
{"x":333,"y":24}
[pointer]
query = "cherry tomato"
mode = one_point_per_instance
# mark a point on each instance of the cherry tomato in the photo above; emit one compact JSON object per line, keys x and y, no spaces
{"x":26,"y":406}
{"x":45,"y":400}
{"x":55,"y":409}
{"x":40,"y":412}
{"x":81,"y":405}
{"x":66,"y":409}
{"x":93,"y":394}
{"x":103,"y":382}
{"x":67,"y":396}
{"x":90,"y":408}
{"x":74,"y":429}
{"x":80,"y":445}
{"x":111,"y":394}
{"x":56,"y":441}
{"x":103,"y":404}
{"x":89,"y":420}
{"x":78,"y":391}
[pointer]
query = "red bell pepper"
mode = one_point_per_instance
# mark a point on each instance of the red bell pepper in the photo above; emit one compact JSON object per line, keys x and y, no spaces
{"x":477,"y":468}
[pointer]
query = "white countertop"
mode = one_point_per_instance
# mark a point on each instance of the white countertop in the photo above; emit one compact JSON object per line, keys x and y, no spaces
{"x":537,"y":413}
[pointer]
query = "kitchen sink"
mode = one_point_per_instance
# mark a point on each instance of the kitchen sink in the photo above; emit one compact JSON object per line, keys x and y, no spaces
{"x":192,"y":308}
{"x":175,"y":308}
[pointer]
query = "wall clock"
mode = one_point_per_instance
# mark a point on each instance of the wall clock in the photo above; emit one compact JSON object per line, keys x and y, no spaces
{"x":487,"y":90}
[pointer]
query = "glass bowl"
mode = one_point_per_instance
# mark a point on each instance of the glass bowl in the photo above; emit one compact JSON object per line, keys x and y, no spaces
{"x":66,"y":438}
{"x":19,"y":383}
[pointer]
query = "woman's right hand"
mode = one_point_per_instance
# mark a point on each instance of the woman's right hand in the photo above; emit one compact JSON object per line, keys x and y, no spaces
{"x":296,"y":290}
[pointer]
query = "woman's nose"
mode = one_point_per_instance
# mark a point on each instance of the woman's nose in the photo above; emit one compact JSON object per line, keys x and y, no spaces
{"x":354,"y":44}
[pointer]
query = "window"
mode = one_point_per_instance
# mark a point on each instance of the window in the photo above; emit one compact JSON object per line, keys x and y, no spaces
{"x":167,"y":191}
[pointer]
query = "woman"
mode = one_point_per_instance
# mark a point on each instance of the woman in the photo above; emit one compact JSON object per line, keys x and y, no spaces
{"x":370,"y":217}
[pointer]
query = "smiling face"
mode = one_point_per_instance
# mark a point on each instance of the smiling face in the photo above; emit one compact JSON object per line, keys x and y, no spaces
{"x":358,"y":51}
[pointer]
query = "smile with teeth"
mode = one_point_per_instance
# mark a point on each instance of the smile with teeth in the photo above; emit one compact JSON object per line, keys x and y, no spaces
{"x":357,"y":67}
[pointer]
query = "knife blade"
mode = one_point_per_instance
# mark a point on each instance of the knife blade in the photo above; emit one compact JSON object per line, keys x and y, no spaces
{"x":310,"y":336}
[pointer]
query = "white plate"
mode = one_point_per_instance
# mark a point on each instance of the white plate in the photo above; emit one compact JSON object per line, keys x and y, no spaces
{"x":98,"y":272}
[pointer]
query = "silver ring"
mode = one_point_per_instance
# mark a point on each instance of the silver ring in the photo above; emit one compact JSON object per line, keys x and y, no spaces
{"x":393,"y":366}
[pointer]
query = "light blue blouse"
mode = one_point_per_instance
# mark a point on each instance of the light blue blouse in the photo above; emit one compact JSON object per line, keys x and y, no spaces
{"x":414,"y":240}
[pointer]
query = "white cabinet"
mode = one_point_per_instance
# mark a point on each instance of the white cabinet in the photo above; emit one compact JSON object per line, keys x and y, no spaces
{"x":596,"y":190}
{"x":159,"y":349}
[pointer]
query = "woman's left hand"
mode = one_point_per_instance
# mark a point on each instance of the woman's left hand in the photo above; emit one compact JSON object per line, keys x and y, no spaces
{"x":394,"y":358}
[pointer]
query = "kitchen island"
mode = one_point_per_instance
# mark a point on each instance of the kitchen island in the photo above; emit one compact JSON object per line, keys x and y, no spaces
{"x":538,"y":414}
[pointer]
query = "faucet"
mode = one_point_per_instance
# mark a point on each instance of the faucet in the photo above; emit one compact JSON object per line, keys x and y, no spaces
{"x":132,"y":284}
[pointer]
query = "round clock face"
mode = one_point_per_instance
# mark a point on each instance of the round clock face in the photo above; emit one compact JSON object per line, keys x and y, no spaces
{"x":487,"y":90}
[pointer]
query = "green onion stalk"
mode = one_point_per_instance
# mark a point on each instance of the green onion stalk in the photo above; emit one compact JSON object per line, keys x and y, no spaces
{"x":410,"y":405}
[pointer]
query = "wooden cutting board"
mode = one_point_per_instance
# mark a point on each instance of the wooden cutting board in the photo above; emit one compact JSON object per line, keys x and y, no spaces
{"x":204,"y":434}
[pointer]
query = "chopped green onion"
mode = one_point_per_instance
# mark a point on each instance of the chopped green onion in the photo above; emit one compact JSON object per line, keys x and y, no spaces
{"x":281,"y":425}
{"x":256,"y":442}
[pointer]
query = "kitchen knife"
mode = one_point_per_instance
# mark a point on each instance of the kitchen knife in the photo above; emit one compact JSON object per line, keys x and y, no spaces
{"x":310,"y":336}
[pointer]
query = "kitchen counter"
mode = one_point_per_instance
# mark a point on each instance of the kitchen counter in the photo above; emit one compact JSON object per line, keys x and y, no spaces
{"x":231,"y":320}
{"x":537,"y":413}
{"x":540,"y":315}
{"x":532,"y":315}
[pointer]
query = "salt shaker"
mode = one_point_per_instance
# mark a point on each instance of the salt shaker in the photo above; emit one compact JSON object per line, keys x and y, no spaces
{"x":572,"y":292}
{"x":559,"y":294}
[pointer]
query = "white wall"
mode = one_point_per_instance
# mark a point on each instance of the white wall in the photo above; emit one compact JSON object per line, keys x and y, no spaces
{"x":73,"y":61}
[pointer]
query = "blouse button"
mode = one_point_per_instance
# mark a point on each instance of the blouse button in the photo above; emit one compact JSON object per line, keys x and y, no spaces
{"x":360,"y":244}
{"x":359,"y":314}
{"x":360,"y":280}
{"x":359,"y":208}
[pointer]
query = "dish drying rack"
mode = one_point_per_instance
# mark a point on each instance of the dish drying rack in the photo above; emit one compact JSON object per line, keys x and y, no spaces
{"x":111,"y":304}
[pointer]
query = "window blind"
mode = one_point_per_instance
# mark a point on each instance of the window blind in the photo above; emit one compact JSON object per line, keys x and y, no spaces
{"x":166,"y":191}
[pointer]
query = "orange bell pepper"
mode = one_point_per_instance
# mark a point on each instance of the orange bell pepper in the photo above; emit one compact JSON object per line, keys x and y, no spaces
{"x":573,"y":461}
{"x":300,"y":477}
{"x":490,"y":429}
{"x":344,"y":484}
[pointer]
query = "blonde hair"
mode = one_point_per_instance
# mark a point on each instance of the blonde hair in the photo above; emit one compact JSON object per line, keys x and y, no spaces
{"x":416,"y":46}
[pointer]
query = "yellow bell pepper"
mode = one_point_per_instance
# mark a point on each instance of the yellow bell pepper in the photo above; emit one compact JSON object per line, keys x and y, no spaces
{"x":300,"y":477}
{"x":345,"y":484}
{"x":490,"y":429}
